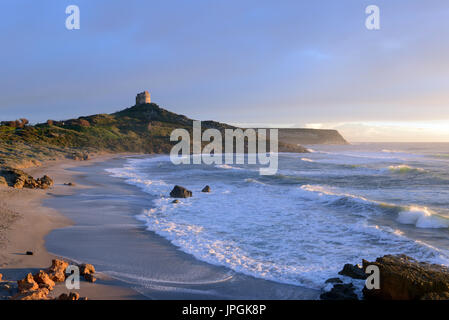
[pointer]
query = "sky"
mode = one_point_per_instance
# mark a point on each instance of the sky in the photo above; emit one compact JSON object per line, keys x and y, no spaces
{"x":278,"y":63}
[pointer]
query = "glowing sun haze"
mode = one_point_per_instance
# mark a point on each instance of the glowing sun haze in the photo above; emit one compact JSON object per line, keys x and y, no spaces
{"x":283,"y":63}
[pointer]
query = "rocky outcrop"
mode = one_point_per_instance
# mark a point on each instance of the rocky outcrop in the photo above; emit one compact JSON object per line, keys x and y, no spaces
{"x":27,"y":284}
{"x":90,"y":277}
{"x":206,"y":189}
{"x":404,"y":278}
{"x":79,"y":156}
{"x":340,"y":291}
{"x":1,"y":277}
{"x":43,"y":280}
{"x":57,"y":270}
{"x":3,"y":182}
{"x":180,"y":192}
{"x":86,"y":268}
{"x":39,"y":294}
{"x":38,"y":286}
{"x":353,"y":271}
{"x":71,"y":296}
{"x":18,"y":179}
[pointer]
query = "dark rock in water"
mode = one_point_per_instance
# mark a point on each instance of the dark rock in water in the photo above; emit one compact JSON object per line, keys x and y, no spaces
{"x":334,"y":280}
{"x":175,"y":201}
{"x":354,"y":272}
{"x":206,"y":189}
{"x":180,"y":192}
{"x":340,"y":292}
{"x":404,"y":278}
{"x":70,"y":184}
{"x":29,"y":253}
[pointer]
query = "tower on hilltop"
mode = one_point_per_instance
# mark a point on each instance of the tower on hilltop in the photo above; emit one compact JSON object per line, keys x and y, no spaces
{"x":143,"y":97}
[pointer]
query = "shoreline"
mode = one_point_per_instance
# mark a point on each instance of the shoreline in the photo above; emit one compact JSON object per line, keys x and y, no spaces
{"x":109,"y":236}
{"x":185,"y":277}
{"x":22,"y":212}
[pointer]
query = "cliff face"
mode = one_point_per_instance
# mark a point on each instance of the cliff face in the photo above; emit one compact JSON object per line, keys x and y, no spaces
{"x":310,"y":136}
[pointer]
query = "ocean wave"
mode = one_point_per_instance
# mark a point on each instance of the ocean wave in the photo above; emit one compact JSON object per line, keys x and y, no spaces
{"x":277,"y":230}
{"x":307,"y":160}
{"x":403,"y":168}
{"x":421,"y":217}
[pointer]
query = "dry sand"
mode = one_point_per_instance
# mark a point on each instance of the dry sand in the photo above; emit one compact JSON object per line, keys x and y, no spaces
{"x":24,"y":223}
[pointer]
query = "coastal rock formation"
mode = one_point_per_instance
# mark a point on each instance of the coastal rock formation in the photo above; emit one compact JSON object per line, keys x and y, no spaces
{"x":27,"y":284}
{"x":1,"y":277}
{"x":180,"y":192}
{"x":206,"y":189}
{"x":89,"y":277}
{"x":71,"y":296}
{"x":340,"y":291}
{"x":334,"y":280}
{"x":39,"y":294}
{"x":3,"y":182}
{"x":79,"y":156}
{"x":353,"y":271}
{"x":43,"y":280}
{"x":404,"y":278}
{"x":18,"y":179}
{"x":57,"y":270}
{"x":38,"y":286}
{"x":86,"y":269}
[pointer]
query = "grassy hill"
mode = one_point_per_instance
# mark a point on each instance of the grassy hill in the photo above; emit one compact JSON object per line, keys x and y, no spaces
{"x":143,"y":128}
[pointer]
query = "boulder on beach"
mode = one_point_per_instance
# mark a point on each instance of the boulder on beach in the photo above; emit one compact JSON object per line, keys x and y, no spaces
{"x":71,"y":296}
{"x":353,"y":271}
{"x":86,"y":268}
{"x":89,"y":277}
{"x":44,"y":281}
{"x":45,"y":182}
{"x":39,"y":294}
{"x":404,"y":278}
{"x":206,"y":189}
{"x":57,"y":270}
{"x":27,"y":284}
{"x":18,"y":179}
{"x":180,"y":192}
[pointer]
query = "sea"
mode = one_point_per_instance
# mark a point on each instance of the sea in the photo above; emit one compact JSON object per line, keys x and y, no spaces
{"x":321,"y":210}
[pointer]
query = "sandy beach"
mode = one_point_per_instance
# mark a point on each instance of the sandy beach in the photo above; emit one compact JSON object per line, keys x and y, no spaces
{"x":24,"y":223}
{"x":94,"y":222}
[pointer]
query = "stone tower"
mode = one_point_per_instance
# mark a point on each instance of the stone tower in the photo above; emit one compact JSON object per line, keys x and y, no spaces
{"x":143,"y":97}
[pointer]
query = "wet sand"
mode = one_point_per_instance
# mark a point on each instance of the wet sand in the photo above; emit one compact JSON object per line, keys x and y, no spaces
{"x":24,"y":223}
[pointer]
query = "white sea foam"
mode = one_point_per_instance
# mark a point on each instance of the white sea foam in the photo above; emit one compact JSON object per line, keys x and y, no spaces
{"x":403,"y":168}
{"x":422,"y":217}
{"x":274,"y":228}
